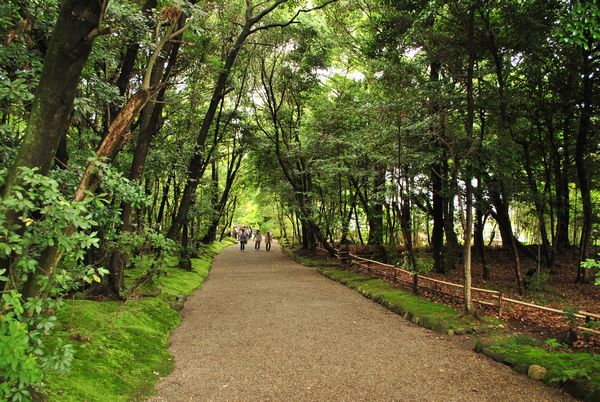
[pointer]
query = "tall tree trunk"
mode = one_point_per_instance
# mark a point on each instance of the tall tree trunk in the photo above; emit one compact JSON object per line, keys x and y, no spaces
{"x":437,"y":234}
{"x":508,"y":239}
{"x":468,"y":303}
{"x":358,"y":225}
{"x":211,"y":233}
{"x":197,"y":163}
{"x":150,"y":117}
{"x":539,"y":206}
{"x":560,"y":166}
{"x":581,"y":149}
{"x":77,"y":26}
{"x":504,"y":223}
{"x":221,"y":201}
{"x":115,"y":139}
{"x":478,"y":239}
{"x":468,"y":229}
{"x":451,"y":253}
{"x":163,"y":201}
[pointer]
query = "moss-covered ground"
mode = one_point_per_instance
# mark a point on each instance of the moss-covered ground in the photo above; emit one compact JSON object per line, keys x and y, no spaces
{"x":436,"y":316}
{"x":121,"y":348}
{"x":578,"y":372}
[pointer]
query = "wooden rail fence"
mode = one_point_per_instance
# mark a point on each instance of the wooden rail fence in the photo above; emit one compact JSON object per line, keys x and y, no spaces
{"x":487,"y":297}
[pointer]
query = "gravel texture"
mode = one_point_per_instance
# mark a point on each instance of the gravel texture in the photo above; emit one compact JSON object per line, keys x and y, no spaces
{"x":266,"y":328}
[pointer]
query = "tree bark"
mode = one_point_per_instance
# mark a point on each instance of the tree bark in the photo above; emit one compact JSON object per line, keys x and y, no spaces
{"x":581,"y":149}
{"x":77,"y":26}
{"x":508,"y":239}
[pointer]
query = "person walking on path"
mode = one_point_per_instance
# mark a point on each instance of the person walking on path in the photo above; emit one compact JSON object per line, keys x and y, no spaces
{"x":243,"y":240}
{"x":257,"y":240}
{"x":268,"y":240}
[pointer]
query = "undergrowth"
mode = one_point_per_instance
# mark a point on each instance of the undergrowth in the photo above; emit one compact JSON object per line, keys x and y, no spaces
{"x":121,"y":348}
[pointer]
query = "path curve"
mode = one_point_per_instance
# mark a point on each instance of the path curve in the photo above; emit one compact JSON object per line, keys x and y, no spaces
{"x":266,"y":328}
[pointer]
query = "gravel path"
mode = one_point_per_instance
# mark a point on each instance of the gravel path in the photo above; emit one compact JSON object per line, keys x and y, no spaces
{"x":265,"y":328}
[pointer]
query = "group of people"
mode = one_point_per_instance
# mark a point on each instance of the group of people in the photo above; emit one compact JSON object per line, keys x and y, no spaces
{"x":244,"y":234}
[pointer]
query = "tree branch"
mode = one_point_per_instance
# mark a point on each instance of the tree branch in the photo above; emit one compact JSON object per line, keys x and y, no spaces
{"x":291,"y":20}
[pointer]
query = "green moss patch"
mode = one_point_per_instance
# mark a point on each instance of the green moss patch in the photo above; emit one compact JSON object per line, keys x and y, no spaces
{"x":121,"y":348}
{"x":176,"y":281}
{"x":435,"y":316}
{"x":577,"y":372}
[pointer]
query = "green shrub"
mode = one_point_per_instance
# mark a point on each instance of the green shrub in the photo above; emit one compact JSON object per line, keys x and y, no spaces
{"x":43,"y":215}
{"x":593,"y":264}
{"x":537,"y":282}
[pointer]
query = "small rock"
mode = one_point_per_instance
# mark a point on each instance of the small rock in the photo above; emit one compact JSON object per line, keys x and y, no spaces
{"x":536,"y":372}
{"x":450,"y":332}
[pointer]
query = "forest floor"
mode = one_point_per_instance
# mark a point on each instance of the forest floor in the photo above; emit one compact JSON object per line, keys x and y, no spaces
{"x":557,"y":290}
{"x":266,"y":328}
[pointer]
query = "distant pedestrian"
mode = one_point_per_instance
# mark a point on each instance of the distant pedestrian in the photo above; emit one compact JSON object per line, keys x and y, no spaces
{"x":257,"y":240}
{"x":268,"y":241}
{"x":243,"y":239}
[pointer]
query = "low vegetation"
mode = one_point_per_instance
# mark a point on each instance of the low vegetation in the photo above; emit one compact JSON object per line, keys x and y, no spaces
{"x":578,"y":372}
{"x":120,"y":348}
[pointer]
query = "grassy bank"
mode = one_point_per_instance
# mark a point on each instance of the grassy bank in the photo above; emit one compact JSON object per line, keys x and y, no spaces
{"x":120,"y":349}
{"x":435,"y":316}
{"x":577,"y":372}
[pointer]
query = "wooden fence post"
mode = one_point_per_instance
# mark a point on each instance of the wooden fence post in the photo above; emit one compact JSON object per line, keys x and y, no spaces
{"x":416,"y":283}
{"x":500,"y":297}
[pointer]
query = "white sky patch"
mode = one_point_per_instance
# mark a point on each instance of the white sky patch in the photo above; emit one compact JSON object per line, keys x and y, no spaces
{"x":326,"y":73}
{"x":516,"y":59}
{"x":411,"y":52}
